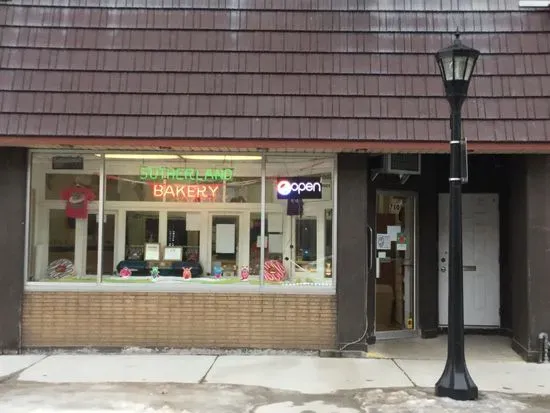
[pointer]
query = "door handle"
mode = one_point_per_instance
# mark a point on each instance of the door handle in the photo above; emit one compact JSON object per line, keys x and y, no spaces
{"x":371,"y":246}
{"x":443,"y":269}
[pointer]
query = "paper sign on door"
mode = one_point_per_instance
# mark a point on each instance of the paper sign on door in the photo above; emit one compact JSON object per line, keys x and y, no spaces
{"x":383,"y":241}
{"x":401,"y":242}
{"x":393,"y":230}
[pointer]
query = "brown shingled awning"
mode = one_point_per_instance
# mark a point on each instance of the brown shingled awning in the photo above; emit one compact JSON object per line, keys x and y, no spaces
{"x":359,"y":73}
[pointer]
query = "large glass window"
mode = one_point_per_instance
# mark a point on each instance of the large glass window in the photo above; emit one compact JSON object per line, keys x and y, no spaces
{"x":187,"y":216}
{"x":181,"y":218}
{"x":64,"y":197}
{"x":298,"y":198}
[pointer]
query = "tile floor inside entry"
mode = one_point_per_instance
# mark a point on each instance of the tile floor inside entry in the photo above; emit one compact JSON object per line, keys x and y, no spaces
{"x":478,"y":347}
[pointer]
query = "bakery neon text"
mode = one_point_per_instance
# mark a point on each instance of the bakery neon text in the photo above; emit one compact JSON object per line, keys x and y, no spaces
{"x":186,"y":192}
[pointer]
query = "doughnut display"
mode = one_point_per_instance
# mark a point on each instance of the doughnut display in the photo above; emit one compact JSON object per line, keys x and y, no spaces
{"x":274,"y":271}
{"x":61,"y":268}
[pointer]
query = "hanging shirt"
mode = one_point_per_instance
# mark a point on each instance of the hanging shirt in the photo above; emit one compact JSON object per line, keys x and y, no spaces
{"x":77,"y":198}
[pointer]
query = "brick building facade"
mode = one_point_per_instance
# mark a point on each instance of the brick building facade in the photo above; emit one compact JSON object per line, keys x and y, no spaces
{"x":313,"y":90}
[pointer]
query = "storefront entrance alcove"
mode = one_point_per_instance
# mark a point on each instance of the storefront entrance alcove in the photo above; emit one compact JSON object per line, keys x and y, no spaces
{"x":395,"y":263}
{"x":401,"y":213}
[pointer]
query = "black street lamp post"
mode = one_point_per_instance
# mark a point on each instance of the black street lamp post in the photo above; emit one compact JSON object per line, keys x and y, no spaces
{"x":456,"y":64}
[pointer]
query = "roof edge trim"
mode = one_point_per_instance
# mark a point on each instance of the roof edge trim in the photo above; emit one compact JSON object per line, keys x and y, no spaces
{"x":70,"y":143}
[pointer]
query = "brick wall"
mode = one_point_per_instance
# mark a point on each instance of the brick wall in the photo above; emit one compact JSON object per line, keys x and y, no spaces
{"x":216,"y":320}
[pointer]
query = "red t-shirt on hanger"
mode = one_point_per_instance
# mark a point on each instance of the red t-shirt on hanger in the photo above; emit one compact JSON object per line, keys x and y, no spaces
{"x":77,"y":198}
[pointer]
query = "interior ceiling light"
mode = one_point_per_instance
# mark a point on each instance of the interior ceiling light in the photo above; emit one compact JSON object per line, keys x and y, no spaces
{"x":534,"y":3}
{"x":222,"y":157}
{"x":138,"y":156}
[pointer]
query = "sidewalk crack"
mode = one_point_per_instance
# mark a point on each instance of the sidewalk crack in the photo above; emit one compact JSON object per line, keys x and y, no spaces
{"x":203,"y":379}
{"x":405,"y":373}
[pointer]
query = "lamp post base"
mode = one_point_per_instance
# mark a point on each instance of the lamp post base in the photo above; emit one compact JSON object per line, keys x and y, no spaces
{"x":456,"y":385}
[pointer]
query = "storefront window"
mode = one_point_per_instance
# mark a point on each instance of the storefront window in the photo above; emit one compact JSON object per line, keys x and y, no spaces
{"x":300,"y":193}
{"x":64,"y":203}
{"x":181,"y":218}
{"x":187,"y":216}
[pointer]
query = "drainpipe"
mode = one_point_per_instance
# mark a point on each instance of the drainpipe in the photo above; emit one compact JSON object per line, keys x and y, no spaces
{"x":543,"y":347}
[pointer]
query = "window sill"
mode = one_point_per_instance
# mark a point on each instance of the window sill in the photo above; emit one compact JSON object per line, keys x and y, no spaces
{"x":176,"y":287}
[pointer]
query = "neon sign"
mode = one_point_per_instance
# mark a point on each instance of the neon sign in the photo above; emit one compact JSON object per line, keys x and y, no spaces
{"x":189,"y":193}
{"x":299,"y":188}
{"x":150,"y":173}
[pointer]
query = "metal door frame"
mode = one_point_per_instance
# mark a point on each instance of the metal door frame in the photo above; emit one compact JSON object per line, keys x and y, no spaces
{"x":405,"y":333}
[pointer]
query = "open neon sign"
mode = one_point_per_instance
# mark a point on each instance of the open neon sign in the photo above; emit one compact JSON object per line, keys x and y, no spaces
{"x":186,"y":193}
{"x":299,"y":188}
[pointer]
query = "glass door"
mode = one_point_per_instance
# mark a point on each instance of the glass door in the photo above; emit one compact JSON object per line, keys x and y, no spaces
{"x":224,"y":252}
{"x":395,"y":263}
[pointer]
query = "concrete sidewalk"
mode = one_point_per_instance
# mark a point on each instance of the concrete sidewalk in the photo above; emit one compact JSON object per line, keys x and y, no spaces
{"x":300,"y":373}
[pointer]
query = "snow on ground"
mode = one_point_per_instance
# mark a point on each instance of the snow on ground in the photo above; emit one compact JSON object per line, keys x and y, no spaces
{"x":173,"y":398}
{"x":412,"y":400}
{"x":220,"y":352}
{"x":404,"y":401}
{"x":317,"y":406}
{"x":125,"y":407}
{"x":176,"y":351}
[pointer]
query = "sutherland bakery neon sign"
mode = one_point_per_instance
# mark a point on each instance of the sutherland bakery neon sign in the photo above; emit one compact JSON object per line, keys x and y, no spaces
{"x":185,"y":184}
